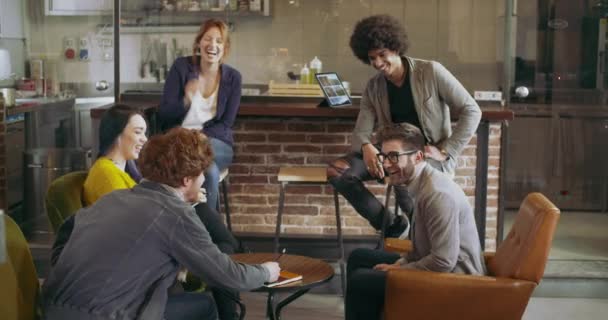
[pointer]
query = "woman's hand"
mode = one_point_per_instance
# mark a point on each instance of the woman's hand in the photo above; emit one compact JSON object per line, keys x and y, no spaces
{"x":434,"y":153}
{"x":374,"y":167}
{"x":189,"y":91}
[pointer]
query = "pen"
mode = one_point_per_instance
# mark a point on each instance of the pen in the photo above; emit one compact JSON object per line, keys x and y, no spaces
{"x":280,"y":255}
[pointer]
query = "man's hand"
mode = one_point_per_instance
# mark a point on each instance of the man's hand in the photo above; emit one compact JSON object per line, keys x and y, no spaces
{"x":386,"y":267}
{"x":189,"y":91}
{"x":374,"y":167}
{"x":434,"y":153}
{"x":273,"y":270}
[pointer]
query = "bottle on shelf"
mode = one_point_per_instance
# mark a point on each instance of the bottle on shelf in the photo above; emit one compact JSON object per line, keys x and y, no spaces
{"x":315,"y":67}
{"x":305,"y":75}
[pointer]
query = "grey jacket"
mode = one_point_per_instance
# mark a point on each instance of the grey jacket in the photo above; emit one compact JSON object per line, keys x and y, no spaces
{"x":444,"y":234}
{"x":125,"y":252}
{"x":435,"y":91}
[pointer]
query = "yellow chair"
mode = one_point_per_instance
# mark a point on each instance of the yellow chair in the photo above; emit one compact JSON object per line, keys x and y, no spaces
{"x":64,"y":197}
{"x":19,"y":288}
{"x":514,"y":271}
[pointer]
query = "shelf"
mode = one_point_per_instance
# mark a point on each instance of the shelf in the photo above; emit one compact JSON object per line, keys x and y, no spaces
{"x":156,"y":18}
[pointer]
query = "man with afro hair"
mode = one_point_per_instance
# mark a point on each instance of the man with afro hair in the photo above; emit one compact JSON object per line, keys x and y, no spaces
{"x":405,"y":90}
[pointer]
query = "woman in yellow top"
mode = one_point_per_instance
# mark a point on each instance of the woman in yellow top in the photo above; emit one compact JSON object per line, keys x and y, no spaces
{"x":122,"y":134}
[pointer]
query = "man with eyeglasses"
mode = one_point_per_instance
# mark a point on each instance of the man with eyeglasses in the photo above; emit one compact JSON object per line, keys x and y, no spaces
{"x":444,"y":234}
{"x":404,"y":90}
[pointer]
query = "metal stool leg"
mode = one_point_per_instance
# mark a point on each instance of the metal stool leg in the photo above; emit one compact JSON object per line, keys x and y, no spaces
{"x":277,"y":232}
{"x":340,"y":240}
{"x":226,"y":206}
{"x":385,"y":218}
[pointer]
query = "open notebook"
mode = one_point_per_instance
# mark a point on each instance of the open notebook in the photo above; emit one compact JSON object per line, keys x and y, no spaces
{"x":284,"y":278}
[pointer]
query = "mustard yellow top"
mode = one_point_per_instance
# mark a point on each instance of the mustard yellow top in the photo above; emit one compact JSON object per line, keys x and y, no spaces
{"x":105,"y":177}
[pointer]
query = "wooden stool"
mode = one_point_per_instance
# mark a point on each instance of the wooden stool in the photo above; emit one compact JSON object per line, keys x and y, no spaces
{"x":308,"y":175}
{"x":224,"y":186}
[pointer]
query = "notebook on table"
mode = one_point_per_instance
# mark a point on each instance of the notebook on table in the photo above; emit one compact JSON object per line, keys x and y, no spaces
{"x":285,"y":277}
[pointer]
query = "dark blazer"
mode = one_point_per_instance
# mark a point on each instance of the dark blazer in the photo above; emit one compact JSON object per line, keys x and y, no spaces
{"x":172,"y":110}
{"x":146,"y":233}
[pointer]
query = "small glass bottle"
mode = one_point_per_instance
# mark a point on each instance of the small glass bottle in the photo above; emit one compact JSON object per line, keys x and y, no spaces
{"x":305,"y":75}
{"x":315,"y":66}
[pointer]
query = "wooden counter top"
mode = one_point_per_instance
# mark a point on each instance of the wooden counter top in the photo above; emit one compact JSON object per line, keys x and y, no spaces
{"x":262,"y":108}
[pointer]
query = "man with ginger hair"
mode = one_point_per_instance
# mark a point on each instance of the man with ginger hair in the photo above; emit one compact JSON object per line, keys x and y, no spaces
{"x":126,"y":249}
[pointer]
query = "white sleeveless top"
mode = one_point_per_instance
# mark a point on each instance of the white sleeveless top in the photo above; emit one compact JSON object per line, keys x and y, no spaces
{"x":201,"y":110}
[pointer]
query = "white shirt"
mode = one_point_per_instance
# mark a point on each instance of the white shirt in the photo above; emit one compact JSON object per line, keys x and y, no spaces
{"x":201,"y":110}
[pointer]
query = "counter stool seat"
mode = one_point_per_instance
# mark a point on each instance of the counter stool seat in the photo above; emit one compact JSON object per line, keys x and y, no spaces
{"x":224,"y":185}
{"x":309,"y":175}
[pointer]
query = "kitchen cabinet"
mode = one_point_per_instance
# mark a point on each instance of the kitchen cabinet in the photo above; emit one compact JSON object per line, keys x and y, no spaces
{"x":11,"y":19}
{"x":77,"y":7}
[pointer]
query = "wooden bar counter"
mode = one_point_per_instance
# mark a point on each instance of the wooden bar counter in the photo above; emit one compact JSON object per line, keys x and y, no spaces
{"x":271,"y":132}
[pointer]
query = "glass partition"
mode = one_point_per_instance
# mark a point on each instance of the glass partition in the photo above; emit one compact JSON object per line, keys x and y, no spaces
{"x":557,"y":143}
{"x":560,"y":51}
{"x":273,"y":38}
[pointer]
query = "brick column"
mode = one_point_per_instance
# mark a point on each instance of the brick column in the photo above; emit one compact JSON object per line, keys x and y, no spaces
{"x":263,"y":144}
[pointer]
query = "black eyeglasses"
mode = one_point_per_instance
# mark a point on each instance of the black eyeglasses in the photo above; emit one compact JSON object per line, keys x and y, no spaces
{"x":393,"y":156}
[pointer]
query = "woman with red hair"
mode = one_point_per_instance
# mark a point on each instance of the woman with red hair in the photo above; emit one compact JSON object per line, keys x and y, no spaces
{"x":203,"y":93}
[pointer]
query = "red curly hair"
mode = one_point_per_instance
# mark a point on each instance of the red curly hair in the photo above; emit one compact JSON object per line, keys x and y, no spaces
{"x":169,"y":158}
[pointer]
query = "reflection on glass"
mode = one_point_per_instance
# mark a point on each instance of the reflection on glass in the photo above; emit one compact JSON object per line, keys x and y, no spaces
{"x":561,"y":50}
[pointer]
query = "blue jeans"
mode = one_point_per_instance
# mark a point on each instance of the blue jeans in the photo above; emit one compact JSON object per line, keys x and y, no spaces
{"x":222,"y":158}
{"x":190,"y":306}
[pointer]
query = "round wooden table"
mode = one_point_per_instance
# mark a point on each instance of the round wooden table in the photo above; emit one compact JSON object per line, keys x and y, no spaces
{"x":314,"y":273}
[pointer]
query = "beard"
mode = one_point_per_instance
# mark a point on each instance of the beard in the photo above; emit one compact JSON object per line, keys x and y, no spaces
{"x":404,"y":176}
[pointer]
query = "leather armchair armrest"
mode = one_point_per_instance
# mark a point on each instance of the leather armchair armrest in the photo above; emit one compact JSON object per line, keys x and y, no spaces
{"x":397,"y":245}
{"x":488,"y":256}
{"x":430,"y":295}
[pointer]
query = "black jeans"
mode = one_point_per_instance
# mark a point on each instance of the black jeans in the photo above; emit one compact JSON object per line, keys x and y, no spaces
{"x":190,"y":306}
{"x":350,"y":185}
{"x":225,"y":241}
{"x":364,"y":285}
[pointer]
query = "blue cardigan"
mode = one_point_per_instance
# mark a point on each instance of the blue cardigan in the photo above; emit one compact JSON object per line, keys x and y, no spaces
{"x":172,"y":110}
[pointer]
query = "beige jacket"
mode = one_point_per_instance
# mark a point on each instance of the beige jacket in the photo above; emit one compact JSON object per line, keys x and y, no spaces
{"x":444,"y":233}
{"x":435,"y":91}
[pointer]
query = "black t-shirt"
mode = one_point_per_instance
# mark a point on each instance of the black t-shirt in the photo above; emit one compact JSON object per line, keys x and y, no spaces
{"x":401,"y":103}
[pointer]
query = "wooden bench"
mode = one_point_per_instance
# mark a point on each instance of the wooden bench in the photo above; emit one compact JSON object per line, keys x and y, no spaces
{"x":309,"y":175}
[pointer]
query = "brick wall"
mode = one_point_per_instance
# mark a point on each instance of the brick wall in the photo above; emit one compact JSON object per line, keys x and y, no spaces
{"x":264,"y":144}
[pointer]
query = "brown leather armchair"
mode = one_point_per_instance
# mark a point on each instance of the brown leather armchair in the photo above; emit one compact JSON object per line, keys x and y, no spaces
{"x":513,"y":273}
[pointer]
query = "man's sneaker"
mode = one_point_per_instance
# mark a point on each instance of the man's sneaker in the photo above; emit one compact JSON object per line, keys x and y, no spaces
{"x":399,"y":229}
